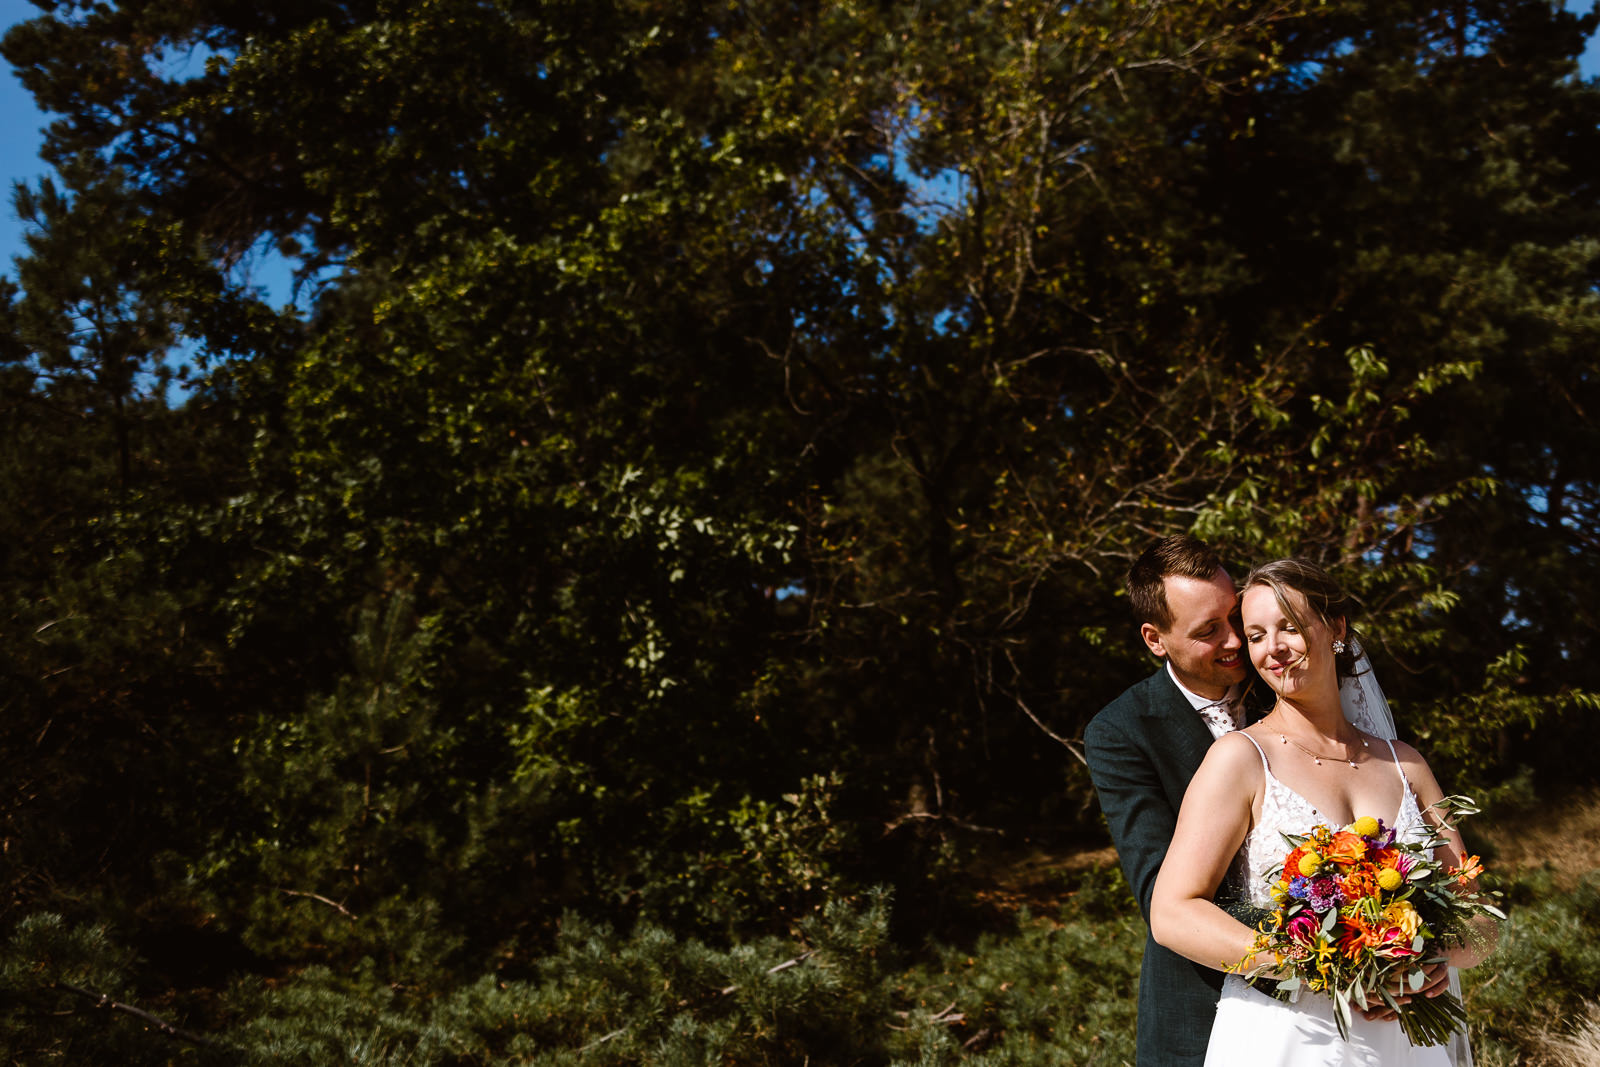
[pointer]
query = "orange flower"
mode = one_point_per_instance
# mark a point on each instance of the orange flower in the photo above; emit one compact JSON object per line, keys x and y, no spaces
{"x":1468,"y":872}
{"x":1291,"y":863}
{"x":1355,"y":936}
{"x":1346,"y":848}
{"x":1360,"y":882}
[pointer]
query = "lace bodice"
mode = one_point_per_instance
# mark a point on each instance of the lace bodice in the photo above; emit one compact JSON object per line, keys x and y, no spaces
{"x":1283,"y":811}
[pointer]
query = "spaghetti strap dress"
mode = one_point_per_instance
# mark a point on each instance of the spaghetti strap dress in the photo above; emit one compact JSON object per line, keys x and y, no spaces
{"x":1254,"y":1030}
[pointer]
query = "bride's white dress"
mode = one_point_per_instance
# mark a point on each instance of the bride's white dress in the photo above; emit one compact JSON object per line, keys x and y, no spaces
{"x":1255,"y":1030}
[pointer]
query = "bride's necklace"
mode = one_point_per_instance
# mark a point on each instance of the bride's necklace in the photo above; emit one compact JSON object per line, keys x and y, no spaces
{"x":1318,"y":757}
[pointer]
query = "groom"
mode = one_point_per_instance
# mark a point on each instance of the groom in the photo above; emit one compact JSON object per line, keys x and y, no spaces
{"x":1145,"y":746}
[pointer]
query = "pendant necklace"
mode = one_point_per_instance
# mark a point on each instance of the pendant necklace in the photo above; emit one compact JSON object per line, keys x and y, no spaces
{"x":1317,"y":757}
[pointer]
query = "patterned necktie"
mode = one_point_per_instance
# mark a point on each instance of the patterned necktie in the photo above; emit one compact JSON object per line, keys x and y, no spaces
{"x":1219,"y":714}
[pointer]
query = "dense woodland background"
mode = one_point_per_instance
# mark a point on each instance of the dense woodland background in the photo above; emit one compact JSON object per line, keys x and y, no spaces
{"x":642,"y":604}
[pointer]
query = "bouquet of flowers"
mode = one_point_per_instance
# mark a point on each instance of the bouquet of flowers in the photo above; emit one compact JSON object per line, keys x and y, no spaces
{"x":1358,"y":911}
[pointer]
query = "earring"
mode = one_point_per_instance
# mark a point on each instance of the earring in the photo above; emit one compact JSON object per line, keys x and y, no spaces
{"x":1338,"y":648}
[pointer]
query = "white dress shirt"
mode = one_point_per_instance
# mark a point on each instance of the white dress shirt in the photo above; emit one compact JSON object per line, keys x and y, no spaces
{"x":1220,"y":716}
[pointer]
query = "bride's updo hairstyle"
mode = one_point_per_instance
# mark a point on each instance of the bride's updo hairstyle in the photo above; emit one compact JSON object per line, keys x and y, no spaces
{"x":1322,"y":595}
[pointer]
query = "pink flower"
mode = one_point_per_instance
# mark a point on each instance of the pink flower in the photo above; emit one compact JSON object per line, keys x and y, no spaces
{"x":1303,"y":927}
{"x":1395,"y":945}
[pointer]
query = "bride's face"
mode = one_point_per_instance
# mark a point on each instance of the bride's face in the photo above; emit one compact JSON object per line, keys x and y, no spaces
{"x":1293,"y":662}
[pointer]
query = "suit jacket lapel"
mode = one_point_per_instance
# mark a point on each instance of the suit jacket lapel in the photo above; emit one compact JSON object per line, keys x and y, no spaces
{"x":1186,"y":733}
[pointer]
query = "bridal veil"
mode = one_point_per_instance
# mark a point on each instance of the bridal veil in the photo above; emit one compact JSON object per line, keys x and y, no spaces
{"x":1364,"y":705}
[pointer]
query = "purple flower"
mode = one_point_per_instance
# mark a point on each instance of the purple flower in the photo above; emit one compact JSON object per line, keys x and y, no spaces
{"x":1325,"y":893}
{"x":1300,"y":887}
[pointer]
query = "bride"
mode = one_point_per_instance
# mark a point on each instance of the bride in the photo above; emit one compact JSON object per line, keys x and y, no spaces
{"x":1306,"y":762}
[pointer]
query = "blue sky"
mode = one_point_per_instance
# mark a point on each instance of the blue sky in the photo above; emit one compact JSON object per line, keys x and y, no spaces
{"x":19,"y":139}
{"x":20,"y":124}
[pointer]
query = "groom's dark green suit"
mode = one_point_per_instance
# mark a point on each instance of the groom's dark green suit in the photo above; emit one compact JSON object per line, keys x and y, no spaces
{"x":1142,"y":750}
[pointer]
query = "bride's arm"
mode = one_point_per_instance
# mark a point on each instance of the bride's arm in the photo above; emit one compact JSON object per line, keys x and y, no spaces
{"x":1211,"y":826}
{"x":1486,"y":930}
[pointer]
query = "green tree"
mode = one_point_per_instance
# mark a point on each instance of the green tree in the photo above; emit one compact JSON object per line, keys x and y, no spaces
{"x":699,"y":484}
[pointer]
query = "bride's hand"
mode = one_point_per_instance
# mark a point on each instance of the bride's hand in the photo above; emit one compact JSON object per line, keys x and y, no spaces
{"x":1435,"y":978}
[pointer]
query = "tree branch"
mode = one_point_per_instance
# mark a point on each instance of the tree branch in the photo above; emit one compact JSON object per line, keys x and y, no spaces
{"x":102,"y":1000}
{"x":319,"y":898}
{"x":940,"y":817}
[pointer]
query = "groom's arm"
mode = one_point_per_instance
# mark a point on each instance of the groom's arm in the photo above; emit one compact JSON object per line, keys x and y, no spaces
{"x":1137,"y":811}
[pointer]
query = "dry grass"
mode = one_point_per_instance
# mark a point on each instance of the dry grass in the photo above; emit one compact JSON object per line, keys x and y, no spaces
{"x":1563,"y":835}
{"x":1040,"y":881}
{"x":1576,"y":1044}
{"x":1560,"y":836}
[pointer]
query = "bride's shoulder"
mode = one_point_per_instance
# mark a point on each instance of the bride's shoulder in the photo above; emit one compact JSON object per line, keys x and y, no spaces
{"x":1231,"y":771}
{"x":1416,"y":768}
{"x":1408,"y":756}
{"x":1235,"y":750}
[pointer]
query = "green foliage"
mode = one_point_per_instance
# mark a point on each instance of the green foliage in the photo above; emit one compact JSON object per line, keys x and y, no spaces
{"x":1546,"y":967}
{"x":758,"y":858}
{"x":45,"y":949}
{"x":647,"y":998}
{"x":347,"y":846}
{"x":1059,"y":990}
{"x":706,"y":450}
{"x":1055,"y":989}
{"x":62,"y":988}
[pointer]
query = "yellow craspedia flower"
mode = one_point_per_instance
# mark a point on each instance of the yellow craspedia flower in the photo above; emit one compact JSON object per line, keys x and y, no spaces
{"x":1390,"y":879}
{"x":1310,"y":864}
{"x":1366,"y":826}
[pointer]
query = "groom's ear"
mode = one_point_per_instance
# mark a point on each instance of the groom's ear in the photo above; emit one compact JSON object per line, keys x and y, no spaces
{"x":1153,"y":640}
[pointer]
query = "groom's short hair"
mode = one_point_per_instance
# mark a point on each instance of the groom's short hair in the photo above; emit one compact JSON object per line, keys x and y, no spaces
{"x":1179,"y":556}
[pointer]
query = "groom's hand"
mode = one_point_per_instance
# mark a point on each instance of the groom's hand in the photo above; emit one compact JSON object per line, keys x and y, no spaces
{"x":1435,"y":977}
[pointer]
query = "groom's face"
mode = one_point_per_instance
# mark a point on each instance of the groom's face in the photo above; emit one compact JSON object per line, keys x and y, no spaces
{"x":1203,"y":643}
